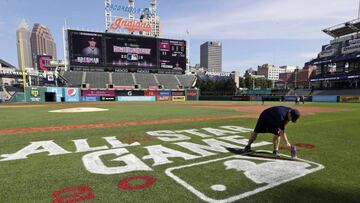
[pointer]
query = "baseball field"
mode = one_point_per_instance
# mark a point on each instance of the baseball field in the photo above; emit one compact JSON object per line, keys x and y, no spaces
{"x":175,"y":152}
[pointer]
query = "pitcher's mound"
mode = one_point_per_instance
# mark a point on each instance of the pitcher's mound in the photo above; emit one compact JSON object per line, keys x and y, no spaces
{"x":79,"y":110}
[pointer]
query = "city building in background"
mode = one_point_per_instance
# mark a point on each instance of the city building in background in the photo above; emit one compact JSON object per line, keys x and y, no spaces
{"x":197,"y":69}
{"x":289,"y":69}
{"x":270,"y":71}
{"x":42,"y":42}
{"x":24,"y":45}
{"x":251,"y":72}
{"x":211,"y":56}
{"x":300,"y":78}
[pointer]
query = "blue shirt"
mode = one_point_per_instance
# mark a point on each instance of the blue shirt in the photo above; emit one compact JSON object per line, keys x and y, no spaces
{"x":276,"y":116}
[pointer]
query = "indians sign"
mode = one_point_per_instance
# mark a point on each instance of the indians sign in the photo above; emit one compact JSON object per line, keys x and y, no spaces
{"x":130,"y":25}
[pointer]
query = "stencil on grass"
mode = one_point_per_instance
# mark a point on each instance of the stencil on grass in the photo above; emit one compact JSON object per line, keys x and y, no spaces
{"x":79,"y":110}
{"x":239,"y":176}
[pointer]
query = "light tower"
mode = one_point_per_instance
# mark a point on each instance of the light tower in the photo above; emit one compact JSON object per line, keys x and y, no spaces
{"x":132,"y":7}
{"x":107,"y":15}
{"x":153,"y":19}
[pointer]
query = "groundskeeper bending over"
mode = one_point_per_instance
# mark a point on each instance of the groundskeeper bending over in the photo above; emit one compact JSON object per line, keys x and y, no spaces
{"x":273,"y":120}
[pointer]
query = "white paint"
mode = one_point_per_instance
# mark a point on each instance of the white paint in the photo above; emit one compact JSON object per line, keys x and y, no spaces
{"x":203,"y":150}
{"x":236,"y":139}
{"x":169,"y":172}
{"x":160,"y":155}
{"x":115,"y":143}
{"x":79,"y":110}
{"x":218,"y":188}
{"x":237,"y":128}
{"x":35,"y":148}
{"x":94,"y":164}
{"x":219,"y":132}
{"x":194,"y":132}
{"x":168,"y":135}
{"x":83,"y":146}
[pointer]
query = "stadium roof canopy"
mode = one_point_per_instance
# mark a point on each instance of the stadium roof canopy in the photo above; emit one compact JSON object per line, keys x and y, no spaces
{"x":343,"y":29}
{"x":5,"y":64}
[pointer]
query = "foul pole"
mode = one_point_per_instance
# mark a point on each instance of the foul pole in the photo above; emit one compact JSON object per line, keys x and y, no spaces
{"x":22,"y":59}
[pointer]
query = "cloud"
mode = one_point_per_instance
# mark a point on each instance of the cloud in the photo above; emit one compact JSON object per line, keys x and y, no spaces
{"x":266,"y":19}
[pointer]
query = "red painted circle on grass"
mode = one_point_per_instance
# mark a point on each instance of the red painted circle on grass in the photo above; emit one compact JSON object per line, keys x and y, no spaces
{"x":307,"y":146}
{"x":124,"y":183}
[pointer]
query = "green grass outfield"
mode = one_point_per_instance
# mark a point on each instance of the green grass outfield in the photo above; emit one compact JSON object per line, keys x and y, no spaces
{"x":38,"y":177}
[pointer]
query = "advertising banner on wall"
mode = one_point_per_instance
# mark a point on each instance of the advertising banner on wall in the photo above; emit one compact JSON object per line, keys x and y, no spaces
{"x":58,"y":91}
{"x":178,"y":93}
{"x":136,"y":98}
{"x":85,"y":48}
{"x":350,"y":99}
{"x":89,"y":99}
{"x":164,"y":96}
{"x":351,"y":46}
{"x":104,"y":98}
{"x":151,"y":93}
{"x":35,"y":94}
{"x":164,"y":93}
{"x":98,"y":93}
{"x":178,"y":98}
{"x":72,"y":94}
{"x":192,"y":95}
{"x":130,"y":93}
{"x":325,"y":98}
{"x":329,"y":50}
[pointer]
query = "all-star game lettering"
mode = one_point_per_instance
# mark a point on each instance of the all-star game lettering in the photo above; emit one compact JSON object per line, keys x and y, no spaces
{"x":179,"y":101}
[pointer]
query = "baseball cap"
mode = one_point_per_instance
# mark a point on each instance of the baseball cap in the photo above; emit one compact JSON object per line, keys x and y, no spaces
{"x":295,"y":114}
{"x":92,"y":39}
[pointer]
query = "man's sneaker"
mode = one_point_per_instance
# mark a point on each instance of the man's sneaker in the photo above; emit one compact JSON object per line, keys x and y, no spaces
{"x":293,"y":152}
{"x":276,"y":154}
{"x":247,"y":149}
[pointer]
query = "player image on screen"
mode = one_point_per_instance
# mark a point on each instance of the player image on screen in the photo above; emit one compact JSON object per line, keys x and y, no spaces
{"x":91,"y":50}
{"x":85,"y":48}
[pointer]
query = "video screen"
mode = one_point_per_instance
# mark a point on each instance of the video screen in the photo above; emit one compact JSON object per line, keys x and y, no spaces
{"x":172,"y":54}
{"x":114,"y":51}
{"x":85,"y":48}
{"x":131,"y":51}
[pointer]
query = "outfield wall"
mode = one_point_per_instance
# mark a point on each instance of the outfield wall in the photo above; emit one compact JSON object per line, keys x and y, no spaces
{"x":59,"y":94}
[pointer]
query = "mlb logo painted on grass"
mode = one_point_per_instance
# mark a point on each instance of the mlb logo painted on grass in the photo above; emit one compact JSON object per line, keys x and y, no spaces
{"x":238,"y":176}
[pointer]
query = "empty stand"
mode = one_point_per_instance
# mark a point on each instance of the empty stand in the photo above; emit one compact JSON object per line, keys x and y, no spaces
{"x":145,"y":80}
{"x":186,"y":81}
{"x":168,"y":81}
{"x":123,"y":79}
{"x":74,"y":78}
{"x":97,"y":79}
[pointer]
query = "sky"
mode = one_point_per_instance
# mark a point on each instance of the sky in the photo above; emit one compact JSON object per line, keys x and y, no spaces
{"x":252,"y":32}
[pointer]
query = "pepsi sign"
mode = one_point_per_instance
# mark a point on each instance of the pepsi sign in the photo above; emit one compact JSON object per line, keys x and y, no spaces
{"x":72,"y":94}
